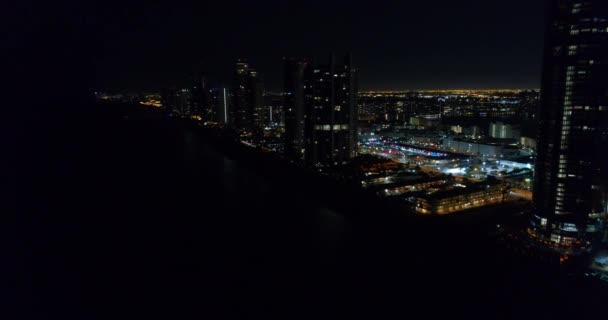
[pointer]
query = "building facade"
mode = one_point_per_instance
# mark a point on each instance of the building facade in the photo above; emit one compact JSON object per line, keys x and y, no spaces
{"x":201,"y":98}
{"x":501,"y":130}
{"x":297,"y":102}
{"x":220,"y":99}
{"x":528,"y":142}
{"x":479,"y":147}
{"x":322,"y":99}
{"x":274,"y":106}
{"x":177,"y":102}
{"x":247,"y":100}
{"x":570,"y":193}
{"x":473,"y":196}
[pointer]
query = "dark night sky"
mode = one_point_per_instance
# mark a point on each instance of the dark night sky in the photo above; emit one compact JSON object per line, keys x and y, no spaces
{"x":396,"y":44}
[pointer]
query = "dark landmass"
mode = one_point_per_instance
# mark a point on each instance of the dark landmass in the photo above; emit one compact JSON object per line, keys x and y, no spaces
{"x":126,"y":214}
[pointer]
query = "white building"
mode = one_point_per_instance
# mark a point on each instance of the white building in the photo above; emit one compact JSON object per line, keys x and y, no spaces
{"x":501,"y":130}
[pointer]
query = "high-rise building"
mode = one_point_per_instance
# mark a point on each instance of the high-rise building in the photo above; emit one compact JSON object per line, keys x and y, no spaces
{"x":185,"y":103}
{"x":201,"y":98}
{"x":168,"y":99}
{"x":502,"y":130}
{"x":274,"y":106}
{"x":247,"y":98}
{"x":297,"y":99}
{"x":220,"y":98}
{"x":256,"y":85}
{"x":320,"y":106}
{"x":241,"y":112}
{"x":177,"y":102}
{"x":570,"y":191}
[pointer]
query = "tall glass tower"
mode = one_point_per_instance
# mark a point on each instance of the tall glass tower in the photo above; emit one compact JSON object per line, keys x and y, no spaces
{"x":297,"y":98}
{"x":571,"y":178}
{"x":320,"y":111}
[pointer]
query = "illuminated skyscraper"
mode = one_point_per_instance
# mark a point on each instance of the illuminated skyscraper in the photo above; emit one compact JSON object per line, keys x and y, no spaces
{"x":168,"y":99}
{"x":331,"y":133}
{"x":320,"y":111}
{"x":247,"y":98}
{"x":242,"y":111}
{"x":177,"y":102}
{"x":256,"y":85}
{"x":570,"y":192}
{"x":201,"y":98}
{"x":273,"y":103}
{"x":297,"y":99}
{"x":220,"y":99}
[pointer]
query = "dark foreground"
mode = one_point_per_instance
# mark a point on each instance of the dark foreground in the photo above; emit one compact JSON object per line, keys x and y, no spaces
{"x":145,"y":218}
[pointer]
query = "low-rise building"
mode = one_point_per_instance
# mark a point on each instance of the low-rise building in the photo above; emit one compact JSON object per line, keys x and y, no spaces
{"x":461,"y":198}
{"x":481,"y":147}
{"x":528,"y":142}
{"x":415,"y":185}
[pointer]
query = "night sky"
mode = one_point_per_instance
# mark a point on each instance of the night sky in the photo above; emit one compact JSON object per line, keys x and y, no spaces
{"x":395,"y":44}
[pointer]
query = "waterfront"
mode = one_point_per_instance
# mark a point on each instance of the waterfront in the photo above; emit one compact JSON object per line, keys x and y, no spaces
{"x":162,"y":220}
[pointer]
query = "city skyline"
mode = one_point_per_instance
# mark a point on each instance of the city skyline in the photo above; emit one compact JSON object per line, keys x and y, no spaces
{"x":275,"y":85}
{"x":319,"y":159}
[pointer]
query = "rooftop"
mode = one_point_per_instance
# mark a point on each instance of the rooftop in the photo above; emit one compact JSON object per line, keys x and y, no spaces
{"x":460,"y":190}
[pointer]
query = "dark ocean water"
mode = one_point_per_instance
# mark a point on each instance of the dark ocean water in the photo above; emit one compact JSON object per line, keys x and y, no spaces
{"x":143,"y":217}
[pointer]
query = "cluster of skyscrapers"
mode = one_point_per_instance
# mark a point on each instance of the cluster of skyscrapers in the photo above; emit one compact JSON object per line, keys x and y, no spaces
{"x":318,"y":105}
{"x":247,"y":112}
{"x":320,"y":116}
{"x":240,"y":105}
